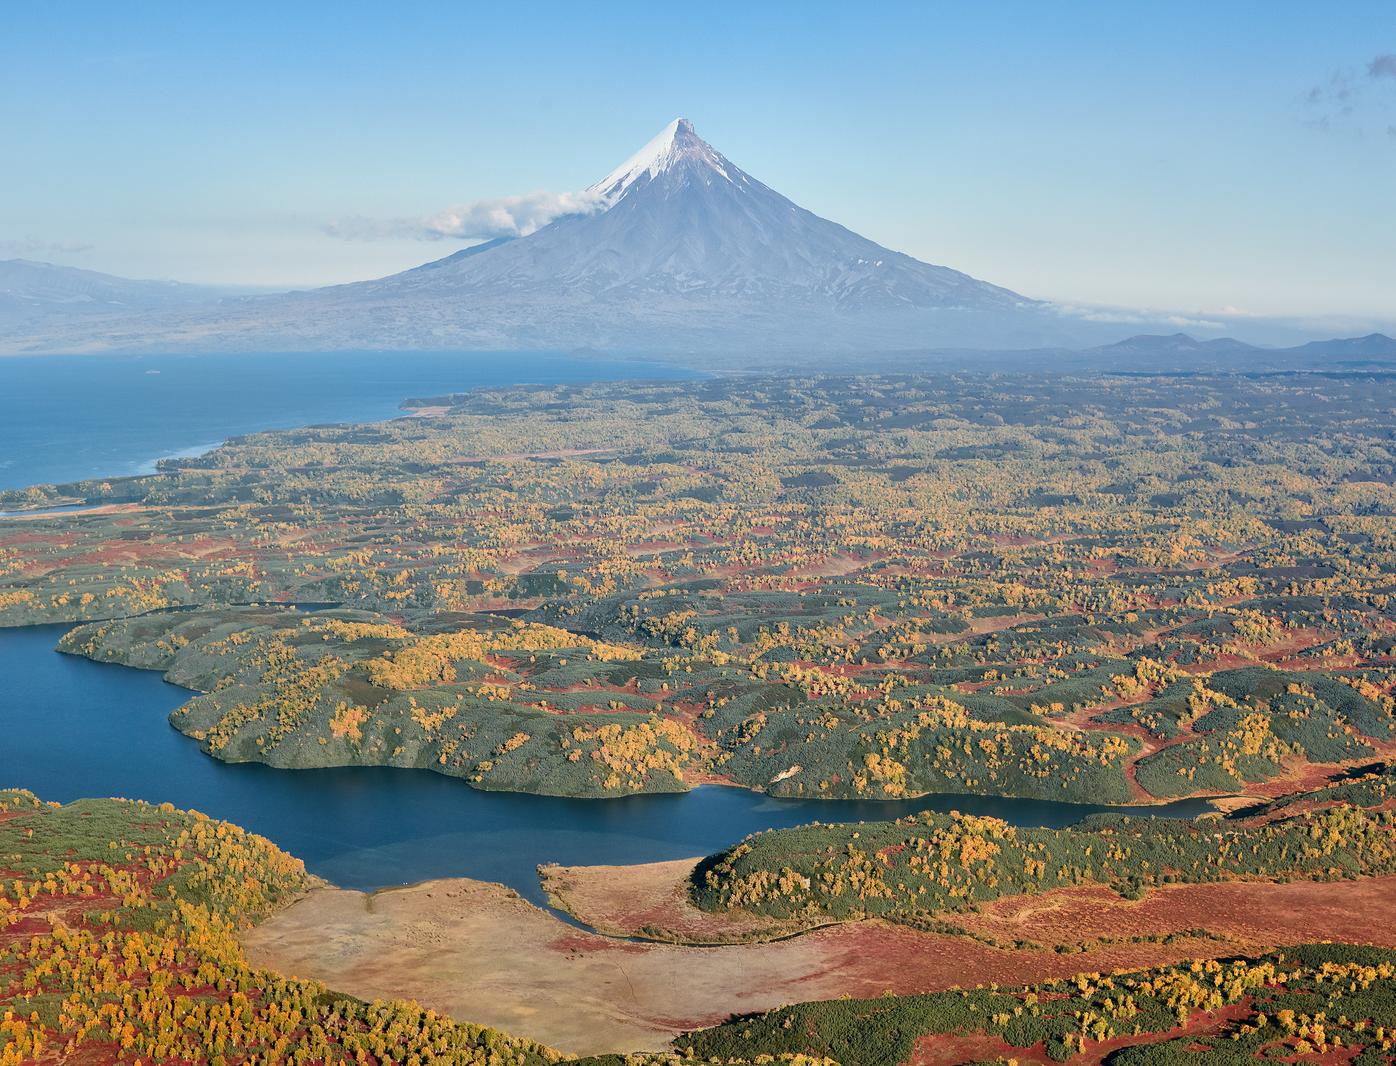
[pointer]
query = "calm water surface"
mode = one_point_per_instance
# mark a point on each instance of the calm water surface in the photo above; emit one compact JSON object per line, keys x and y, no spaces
{"x":71,"y":728}
{"x":68,"y":417}
{"x":75,"y":728}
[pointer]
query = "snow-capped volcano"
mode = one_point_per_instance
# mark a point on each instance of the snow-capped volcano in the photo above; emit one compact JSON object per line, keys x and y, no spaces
{"x":680,"y":221}
{"x":681,"y":250}
{"x":674,"y":145}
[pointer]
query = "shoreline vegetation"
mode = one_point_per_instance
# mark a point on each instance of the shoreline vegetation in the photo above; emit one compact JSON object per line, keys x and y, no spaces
{"x":1114,"y":590}
{"x":137,"y":932}
{"x":934,"y":871}
{"x":118,"y":942}
{"x":208,"y":653}
{"x":878,"y":587}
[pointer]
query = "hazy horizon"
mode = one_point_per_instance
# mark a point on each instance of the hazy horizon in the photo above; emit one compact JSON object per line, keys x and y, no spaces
{"x":1223,"y":165}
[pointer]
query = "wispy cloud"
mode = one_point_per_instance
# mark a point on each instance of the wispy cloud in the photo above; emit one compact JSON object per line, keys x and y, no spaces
{"x":1143,"y":316}
{"x":27,"y":246}
{"x":505,"y":216}
{"x":1356,"y":99}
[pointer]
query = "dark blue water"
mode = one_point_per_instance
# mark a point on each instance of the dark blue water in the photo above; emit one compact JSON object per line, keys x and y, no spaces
{"x":75,"y":728}
{"x":71,"y":728}
{"x":64,"y":418}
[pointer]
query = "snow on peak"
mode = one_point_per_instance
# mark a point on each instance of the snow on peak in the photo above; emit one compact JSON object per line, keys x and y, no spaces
{"x":675,"y":142}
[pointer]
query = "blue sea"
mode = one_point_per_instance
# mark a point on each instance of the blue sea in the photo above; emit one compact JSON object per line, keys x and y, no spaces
{"x":63,"y":418}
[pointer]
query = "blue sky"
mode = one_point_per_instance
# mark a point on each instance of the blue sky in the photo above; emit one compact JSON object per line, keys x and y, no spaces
{"x":1235,"y":158}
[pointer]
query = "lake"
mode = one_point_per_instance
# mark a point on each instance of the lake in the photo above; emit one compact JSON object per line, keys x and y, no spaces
{"x":74,"y":728}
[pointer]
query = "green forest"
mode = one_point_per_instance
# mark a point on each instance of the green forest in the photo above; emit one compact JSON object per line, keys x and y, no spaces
{"x":118,"y":942}
{"x":1116,"y":589}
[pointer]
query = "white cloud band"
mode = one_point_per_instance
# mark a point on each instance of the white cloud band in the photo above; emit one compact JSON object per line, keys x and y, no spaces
{"x":505,"y":216}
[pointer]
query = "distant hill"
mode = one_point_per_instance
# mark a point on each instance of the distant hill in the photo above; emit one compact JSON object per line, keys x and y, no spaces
{"x":35,"y":293}
{"x":1177,"y":346}
{"x":1374,"y":345}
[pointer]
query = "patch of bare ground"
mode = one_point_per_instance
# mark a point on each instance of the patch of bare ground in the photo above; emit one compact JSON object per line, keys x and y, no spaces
{"x":1247,"y":915}
{"x":102,"y":508}
{"x":653,"y":901}
{"x":1227,"y":804}
{"x":952,"y":1049}
{"x":479,"y":953}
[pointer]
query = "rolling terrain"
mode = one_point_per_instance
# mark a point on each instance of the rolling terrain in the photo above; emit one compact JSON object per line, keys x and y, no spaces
{"x":871,"y":588}
{"x":1120,"y":589}
{"x":131,"y":932}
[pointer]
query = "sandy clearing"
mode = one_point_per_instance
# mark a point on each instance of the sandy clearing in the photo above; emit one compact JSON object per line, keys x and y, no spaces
{"x":68,"y":512}
{"x":479,"y":953}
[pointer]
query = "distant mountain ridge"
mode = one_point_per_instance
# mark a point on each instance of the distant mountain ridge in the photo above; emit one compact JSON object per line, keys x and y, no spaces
{"x":680,"y":253}
{"x":1175,"y":344}
{"x":29,"y":287}
{"x":1373,"y":345}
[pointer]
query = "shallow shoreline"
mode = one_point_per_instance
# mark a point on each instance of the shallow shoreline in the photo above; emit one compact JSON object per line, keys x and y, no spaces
{"x":480,"y":953}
